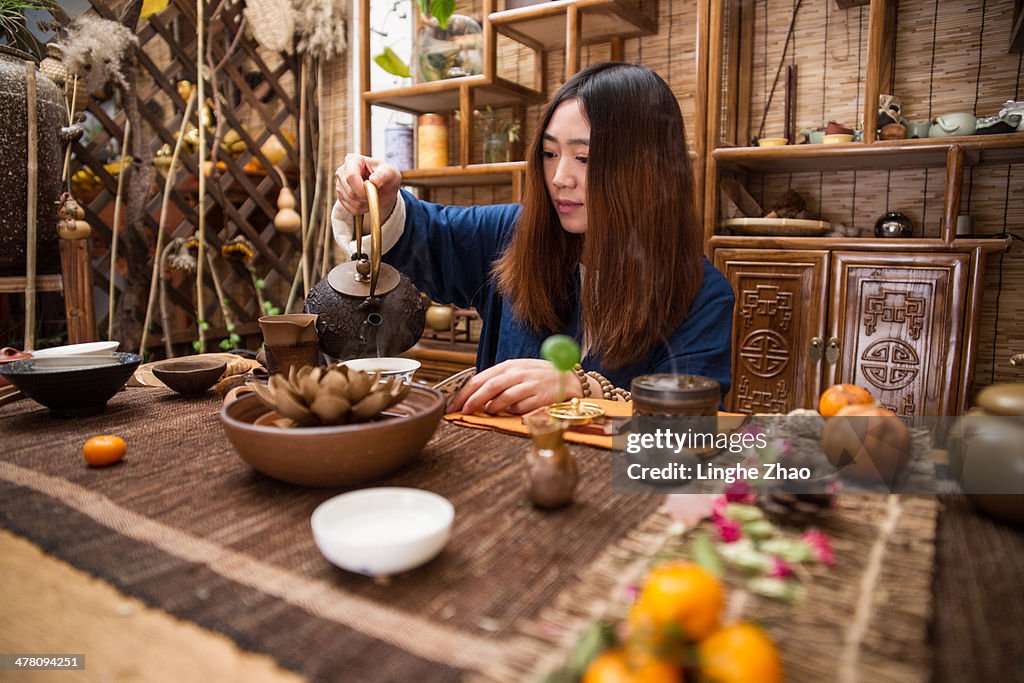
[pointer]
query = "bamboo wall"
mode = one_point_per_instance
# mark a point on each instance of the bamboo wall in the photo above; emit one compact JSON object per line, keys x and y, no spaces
{"x":829,"y":48}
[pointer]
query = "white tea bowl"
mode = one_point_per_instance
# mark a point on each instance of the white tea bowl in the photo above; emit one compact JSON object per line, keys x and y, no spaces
{"x":100,"y":348}
{"x":387,"y":367}
{"x":382,"y":531}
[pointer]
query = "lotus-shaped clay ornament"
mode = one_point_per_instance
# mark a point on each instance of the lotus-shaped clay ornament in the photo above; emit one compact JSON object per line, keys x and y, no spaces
{"x":313,"y":396}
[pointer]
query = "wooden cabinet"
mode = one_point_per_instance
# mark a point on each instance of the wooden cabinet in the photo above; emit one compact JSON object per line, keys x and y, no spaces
{"x":806,"y":319}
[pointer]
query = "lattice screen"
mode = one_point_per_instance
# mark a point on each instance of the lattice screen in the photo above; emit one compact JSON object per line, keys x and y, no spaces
{"x":257,"y":93}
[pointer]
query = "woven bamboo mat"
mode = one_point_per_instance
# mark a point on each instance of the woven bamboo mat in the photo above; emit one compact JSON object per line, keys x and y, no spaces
{"x":185,"y":526}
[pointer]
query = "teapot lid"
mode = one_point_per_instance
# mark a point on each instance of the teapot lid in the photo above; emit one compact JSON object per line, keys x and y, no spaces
{"x":346,"y":279}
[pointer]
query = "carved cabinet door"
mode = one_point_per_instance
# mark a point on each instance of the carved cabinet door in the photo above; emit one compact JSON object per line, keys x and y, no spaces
{"x":896,"y":327}
{"x":778,"y":326}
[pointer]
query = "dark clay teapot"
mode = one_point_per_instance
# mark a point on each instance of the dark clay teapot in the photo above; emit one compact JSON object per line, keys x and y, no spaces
{"x":366,"y":308}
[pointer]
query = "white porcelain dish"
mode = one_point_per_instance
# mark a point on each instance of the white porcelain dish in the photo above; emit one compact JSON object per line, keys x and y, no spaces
{"x":100,"y":348}
{"x":388,"y":367}
{"x":382,"y":531}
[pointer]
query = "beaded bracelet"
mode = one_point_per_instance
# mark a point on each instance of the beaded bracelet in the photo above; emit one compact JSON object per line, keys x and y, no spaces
{"x":582,"y":377}
{"x":609,"y":391}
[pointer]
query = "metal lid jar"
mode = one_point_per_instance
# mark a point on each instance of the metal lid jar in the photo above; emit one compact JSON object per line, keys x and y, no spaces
{"x":671,"y":395}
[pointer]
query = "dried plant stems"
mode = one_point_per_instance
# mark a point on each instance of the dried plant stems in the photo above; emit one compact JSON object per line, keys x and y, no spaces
{"x":221,"y":299}
{"x":165,"y":315}
{"x":115,"y":228}
{"x":201,"y":323}
{"x":318,"y":178}
{"x":326,"y":181}
{"x":158,"y":262}
{"x":31,"y":227}
{"x":303,"y":174}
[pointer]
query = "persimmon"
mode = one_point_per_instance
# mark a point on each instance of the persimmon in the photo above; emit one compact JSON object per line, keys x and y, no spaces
{"x":867,"y":442}
{"x":677,"y":599}
{"x":838,"y":396}
{"x":103,"y":450}
{"x":613,"y":667}
{"x":740,"y":653}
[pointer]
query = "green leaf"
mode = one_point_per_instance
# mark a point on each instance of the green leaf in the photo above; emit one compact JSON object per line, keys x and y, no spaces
{"x":598,"y":637}
{"x":197,"y":346}
{"x":225,"y":344}
{"x":705,"y":555}
{"x":392,"y":63}
{"x":442,"y":10}
{"x":261,"y":283}
{"x":204,"y":326}
{"x":560,"y":350}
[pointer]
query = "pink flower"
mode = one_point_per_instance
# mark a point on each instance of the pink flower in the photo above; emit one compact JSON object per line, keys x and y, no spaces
{"x":689,"y":509}
{"x":740,"y":492}
{"x":729,"y":530}
{"x":821,"y":545}
{"x":780,"y":569}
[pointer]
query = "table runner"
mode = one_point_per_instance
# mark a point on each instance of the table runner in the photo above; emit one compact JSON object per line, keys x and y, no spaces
{"x":186,"y":526}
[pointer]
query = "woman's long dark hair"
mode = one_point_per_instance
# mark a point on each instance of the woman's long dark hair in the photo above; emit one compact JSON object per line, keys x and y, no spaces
{"x":642,"y":249}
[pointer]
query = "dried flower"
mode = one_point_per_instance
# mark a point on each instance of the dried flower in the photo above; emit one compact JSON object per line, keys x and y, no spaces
{"x":740,"y":492}
{"x":98,"y":50}
{"x":237,"y":249}
{"x":322,"y":27}
{"x":182,"y":255}
{"x":780,"y":569}
{"x":729,"y":530}
{"x":820,"y":545}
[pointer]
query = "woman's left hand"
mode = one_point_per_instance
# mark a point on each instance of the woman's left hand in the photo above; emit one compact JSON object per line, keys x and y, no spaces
{"x":515,"y":386}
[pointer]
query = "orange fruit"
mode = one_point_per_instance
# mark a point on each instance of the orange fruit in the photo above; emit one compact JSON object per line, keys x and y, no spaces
{"x":741,"y":653}
{"x":838,"y":396}
{"x":612,"y":667}
{"x":677,"y":599}
{"x":100,"y":451}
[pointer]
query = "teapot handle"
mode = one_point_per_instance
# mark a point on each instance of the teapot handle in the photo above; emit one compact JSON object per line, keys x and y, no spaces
{"x":373,"y":200}
{"x":945,"y":126}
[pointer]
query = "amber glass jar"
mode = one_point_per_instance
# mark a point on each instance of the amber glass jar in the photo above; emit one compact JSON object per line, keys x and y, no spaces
{"x":675,"y":395}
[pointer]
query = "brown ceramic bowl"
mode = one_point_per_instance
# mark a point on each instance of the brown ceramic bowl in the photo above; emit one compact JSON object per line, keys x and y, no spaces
{"x":341,"y":455}
{"x":189,"y":377}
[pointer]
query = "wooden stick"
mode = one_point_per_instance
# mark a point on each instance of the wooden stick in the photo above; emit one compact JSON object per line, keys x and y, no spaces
{"x":31,"y":226}
{"x":71,"y":119}
{"x":303,"y":173}
{"x":314,"y":213}
{"x":115,"y":229}
{"x":201,"y":228}
{"x":158,"y":264}
{"x":165,"y":314}
{"x":328,"y":231}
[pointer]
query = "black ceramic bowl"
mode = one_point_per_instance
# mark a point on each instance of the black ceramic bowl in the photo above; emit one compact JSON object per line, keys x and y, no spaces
{"x":71,"y":391}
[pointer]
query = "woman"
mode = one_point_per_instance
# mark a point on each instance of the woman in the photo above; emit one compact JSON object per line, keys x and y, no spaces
{"x":606,"y":248}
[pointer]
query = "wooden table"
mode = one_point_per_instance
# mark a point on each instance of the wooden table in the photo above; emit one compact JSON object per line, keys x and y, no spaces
{"x":51,"y":606}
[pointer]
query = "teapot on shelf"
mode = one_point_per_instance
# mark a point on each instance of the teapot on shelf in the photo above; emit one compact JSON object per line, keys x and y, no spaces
{"x":366,"y":308}
{"x":947,"y":125}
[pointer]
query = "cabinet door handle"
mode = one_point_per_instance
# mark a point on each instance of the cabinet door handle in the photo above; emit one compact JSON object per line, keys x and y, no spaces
{"x":832,"y":351}
{"x":815,"y":350}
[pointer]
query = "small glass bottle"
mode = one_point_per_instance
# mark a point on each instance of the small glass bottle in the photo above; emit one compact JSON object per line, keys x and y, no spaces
{"x":432,"y":141}
{"x":551,"y":472}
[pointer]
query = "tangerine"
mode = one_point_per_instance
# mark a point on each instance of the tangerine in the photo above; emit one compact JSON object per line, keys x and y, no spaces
{"x":613,"y":667}
{"x":740,"y":653}
{"x":103,"y":450}
{"x":678,"y":598}
{"x":838,"y":396}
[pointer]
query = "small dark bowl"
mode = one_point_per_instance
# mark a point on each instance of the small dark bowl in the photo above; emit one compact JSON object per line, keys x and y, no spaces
{"x":189,"y":377}
{"x":71,"y":391}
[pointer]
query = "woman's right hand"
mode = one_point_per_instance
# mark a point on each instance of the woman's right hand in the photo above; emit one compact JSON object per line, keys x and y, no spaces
{"x":349,"y":190}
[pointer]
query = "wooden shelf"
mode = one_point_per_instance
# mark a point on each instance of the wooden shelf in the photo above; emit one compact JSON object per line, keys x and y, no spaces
{"x":443,"y":96}
{"x":543,"y":26}
{"x":978,"y":150}
{"x":923,"y":244}
{"x":476,"y":174}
